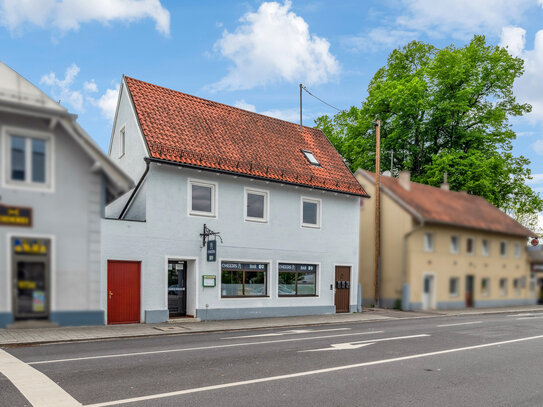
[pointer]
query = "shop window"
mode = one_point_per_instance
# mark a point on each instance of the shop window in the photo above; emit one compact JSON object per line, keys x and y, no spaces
{"x":485,"y":247}
{"x":455,"y":246}
{"x":428,"y":242}
{"x":503,"y":286}
{"x":485,"y":286}
{"x":202,"y":198}
{"x":470,"y":245}
{"x":311,"y":216}
{"x":244,"y":279}
{"x":453,"y":286}
{"x":256,"y":205}
{"x":503,"y":248}
{"x":29,"y":161}
{"x":297,"y":280}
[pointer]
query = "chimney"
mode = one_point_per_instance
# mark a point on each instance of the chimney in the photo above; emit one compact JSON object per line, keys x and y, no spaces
{"x":445,"y":184}
{"x":405,"y":180}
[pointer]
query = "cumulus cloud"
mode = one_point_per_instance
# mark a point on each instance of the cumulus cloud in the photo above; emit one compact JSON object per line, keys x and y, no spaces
{"x":242,"y":104}
{"x":107,"y":103}
{"x":67,"y":15}
{"x":90,"y":86}
{"x":538,"y":147}
{"x":273,"y":45}
{"x":289,"y":115}
{"x":61,"y":88}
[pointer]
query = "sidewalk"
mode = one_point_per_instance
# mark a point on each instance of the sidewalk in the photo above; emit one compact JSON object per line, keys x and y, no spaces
{"x":33,"y":336}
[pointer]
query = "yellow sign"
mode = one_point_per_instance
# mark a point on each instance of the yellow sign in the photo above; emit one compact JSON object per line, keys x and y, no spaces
{"x":15,"y":216}
{"x":29,"y":246}
{"x":26,"y":285}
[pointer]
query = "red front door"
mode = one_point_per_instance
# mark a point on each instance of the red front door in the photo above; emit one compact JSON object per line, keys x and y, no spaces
{"x":123,"y":292}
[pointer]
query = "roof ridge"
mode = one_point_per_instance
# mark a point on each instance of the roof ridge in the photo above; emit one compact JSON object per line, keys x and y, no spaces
{"x":225,"y":105}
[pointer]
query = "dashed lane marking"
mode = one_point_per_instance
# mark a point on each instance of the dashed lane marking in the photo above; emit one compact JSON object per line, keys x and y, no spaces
{"x":461,"y":323}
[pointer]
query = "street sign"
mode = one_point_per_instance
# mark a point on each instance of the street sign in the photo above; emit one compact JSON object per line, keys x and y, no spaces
{"x":211,"y":250}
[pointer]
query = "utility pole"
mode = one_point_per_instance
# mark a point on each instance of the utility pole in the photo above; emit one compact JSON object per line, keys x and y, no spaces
{"x":377,"y":282}
{"x":301,"y":86}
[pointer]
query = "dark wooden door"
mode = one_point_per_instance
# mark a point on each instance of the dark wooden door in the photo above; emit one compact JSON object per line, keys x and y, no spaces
{"x":469,"y":291}
{"x":123,"y":292}
{"x":343,"y":288}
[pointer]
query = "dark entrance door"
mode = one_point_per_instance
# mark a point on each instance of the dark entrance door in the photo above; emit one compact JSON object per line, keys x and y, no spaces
{"x":343,"y":286}
{"x":469,"y":291}
{"x":177,"y":288}
{"x":123,"y":292}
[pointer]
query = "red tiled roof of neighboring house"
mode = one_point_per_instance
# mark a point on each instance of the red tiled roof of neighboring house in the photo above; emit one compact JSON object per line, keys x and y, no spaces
{"x":197,"y":132}
{"x":436,"y":205}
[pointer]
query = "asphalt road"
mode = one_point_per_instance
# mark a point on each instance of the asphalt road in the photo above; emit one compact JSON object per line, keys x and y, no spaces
{"x":477,"y":360}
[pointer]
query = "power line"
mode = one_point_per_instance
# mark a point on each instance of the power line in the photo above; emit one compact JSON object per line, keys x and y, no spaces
{"x":318,"y":98}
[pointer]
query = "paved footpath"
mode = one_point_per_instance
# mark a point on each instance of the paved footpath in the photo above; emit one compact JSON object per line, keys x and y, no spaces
{"x":30,"y":336}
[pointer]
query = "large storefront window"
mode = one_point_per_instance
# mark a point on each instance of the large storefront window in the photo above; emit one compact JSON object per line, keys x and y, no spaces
{"x":297,"y":280}
{"x":243,"y":279}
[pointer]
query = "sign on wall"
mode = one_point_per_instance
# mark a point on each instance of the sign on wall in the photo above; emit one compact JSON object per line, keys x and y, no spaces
{"x":15,"y":216}
{"x":30,"y":246}
{"x":211,"y":250}
{"x":209,"y":281}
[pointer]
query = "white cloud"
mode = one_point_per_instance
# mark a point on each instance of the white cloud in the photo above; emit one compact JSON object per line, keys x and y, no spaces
{"x":538,"y":147}
{"x":536,"y":179}
{"x":289,"y":115}
{"x":61,"y":88}
{"x":242,"y":104}
{"x":272,"y":45}
{"x":67,"y":15}
{"x":514,"y":39}
{"x":108,"y":102}
{"x":378,"y":38}
{"x":90,"y":86}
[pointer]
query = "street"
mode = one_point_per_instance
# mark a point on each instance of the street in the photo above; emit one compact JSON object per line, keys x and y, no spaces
{"x":475,"y":360}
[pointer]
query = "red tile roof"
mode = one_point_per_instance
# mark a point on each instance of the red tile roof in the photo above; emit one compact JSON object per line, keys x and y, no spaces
{"x":436,"y":205}
{"x":192,"y":131}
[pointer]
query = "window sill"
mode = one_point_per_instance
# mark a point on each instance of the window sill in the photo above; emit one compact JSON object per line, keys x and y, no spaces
{"x":28,"y":186}
{"x":310,"y":226}
{"x":256,"y":220}
{"x":244,"y":296}
{"x":203,"y":214}
{"x":298,"y":296}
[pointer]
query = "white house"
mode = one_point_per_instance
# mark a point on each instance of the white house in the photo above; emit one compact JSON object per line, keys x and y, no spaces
{"x":54,"y":185}
{"x":234,"y":214}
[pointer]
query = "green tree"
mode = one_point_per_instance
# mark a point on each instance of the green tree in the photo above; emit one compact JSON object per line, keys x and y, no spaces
{"x":443,"y":110}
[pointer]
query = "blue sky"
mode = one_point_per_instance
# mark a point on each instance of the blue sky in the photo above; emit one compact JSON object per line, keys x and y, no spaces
{"x":253,"y":54}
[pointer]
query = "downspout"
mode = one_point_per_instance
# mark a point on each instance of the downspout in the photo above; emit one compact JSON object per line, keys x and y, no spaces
{"x":135,"y":191}
{"x":405,"y":287}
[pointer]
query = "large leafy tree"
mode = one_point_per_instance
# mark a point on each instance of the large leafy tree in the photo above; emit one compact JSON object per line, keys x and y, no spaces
{"x":444,"y":111}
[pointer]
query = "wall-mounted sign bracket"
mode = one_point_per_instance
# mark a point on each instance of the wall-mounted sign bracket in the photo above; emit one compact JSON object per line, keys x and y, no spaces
{"x":208,"y":233}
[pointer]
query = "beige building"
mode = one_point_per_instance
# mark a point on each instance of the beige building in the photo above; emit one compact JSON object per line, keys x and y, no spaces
{"x":440,"y":249}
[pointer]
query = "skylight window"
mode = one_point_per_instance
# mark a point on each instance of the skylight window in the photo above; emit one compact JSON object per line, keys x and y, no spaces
{"x":310,"y":157}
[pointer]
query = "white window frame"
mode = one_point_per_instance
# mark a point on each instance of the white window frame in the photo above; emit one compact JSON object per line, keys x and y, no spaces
{"x":517,"y":250}
{"x":429,"y":243}
{"x":122,"y":141}
{"x":457,"y":249}
{"x":28,"y":135}
{"x":485,"y":250}
{"x":503,"y":254}
{"x":457,"y":292}
{"x":261,"y":192}
{"x":472,"y":252}
{"x":214,"y":203}
{"x":319,"y":210}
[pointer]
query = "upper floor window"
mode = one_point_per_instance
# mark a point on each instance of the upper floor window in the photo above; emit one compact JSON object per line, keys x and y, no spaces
{"x":470,"y":245}
{"x":485,"y":247}
{"x":256,"y":205}
{"x":311,"y":212}
{"x":29,"y":161}
{"x":428,"y":242}
{"x":517,"y":250}
{"x":503,"y":248}
{"x":122,"y":141}
{"x":202,"y":198}
{"x":454,"y":244}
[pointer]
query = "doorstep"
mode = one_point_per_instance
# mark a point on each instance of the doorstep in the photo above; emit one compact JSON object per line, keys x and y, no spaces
{"x":182,"y":320}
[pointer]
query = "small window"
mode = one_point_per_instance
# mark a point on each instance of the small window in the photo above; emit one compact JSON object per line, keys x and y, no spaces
{"x":503,"y":248}
{"x":297,"y":280}
{"x":18,"y":158}
{"x":256,"y":205}
{"x":485,"y":247}
{"x":29,"y":161}
{"x":311,"y":158}
{"x":454,"y":244}
{"x":428,"y":242}
{"x":122,"y":142}
{"x":503,"y":286}
{"x":453,"y":287}
{"x":517,"y":250}
{"x":470,"y":245}
{"x":202,"y":198}
{"x":516,"y":286}
{"x":311,"y":212}
{"x":485,"y":286}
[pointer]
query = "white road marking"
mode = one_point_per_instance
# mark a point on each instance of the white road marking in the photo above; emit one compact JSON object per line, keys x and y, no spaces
{"x":306,"y":373}
{"x":461,"y":323}
{"x":526,"y":314}
{"x":360,"y":344}
{"x":120,"y":355}
{"x":291,"y":332}
{"x":523,"y":318}
{"x":37,"y":388}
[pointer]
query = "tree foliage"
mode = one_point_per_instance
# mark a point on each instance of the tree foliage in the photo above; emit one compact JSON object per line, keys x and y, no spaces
{"x":443,"y":110}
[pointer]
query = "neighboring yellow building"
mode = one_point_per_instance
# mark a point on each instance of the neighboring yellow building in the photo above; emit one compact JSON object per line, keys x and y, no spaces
{"x":441,"y":249}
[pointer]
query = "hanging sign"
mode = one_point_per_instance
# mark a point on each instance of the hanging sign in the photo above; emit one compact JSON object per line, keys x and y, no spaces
{"x":15,"y":216}
{"x":211,"y":250}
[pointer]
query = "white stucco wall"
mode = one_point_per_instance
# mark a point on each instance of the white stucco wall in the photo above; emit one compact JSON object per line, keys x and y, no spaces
{"x":170,"y":232}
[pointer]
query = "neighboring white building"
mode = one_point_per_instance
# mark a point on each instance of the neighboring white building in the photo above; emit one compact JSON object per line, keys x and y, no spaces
{"x":54,"y":185}
{"x":283,"y":201}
